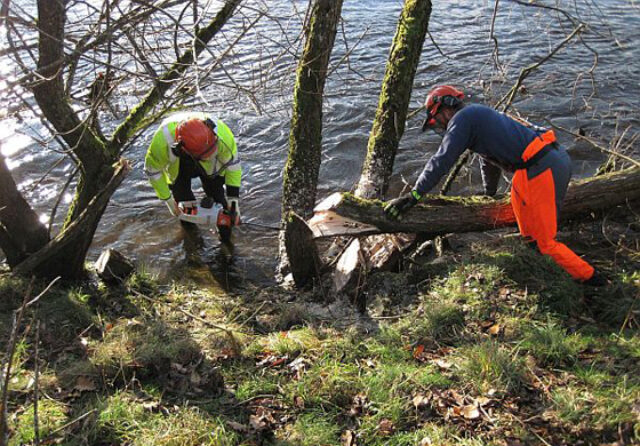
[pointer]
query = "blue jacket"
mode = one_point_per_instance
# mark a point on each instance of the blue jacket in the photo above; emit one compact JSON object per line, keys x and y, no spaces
{"x":499,"y":140}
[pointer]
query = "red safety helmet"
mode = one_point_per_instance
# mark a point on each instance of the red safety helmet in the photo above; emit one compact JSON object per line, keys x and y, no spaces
{"x":440,"y":95}
{"x":197,"y":137}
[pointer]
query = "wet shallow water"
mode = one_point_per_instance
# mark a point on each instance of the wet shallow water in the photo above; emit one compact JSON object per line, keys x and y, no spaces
{"x":138,"y":225}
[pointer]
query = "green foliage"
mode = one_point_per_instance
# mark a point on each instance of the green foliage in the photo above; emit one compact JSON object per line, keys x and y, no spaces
{"x":439,"y":323}
{"x":149,"y":349}
{"x":539,"y":274}
{"x":328,"y":382}
{"x":439,"y":346}
{"x":142,"y":281}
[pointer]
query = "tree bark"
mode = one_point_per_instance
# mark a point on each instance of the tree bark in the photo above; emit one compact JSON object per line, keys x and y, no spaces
{"x":21,"y":232}
{"x":387,"y":130}
{"x":301,"y":250}
{"x":395,"y":94}
{"x":344,"y":214}
{"x":305,"y":138}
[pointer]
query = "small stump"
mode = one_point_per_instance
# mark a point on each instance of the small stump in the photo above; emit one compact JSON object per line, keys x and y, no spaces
{"x":113,"y":266}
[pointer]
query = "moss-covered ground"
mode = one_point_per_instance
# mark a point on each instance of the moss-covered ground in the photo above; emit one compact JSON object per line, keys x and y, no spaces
{"x":489,"y":345}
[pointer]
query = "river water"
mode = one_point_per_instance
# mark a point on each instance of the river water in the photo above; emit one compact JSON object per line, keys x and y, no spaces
{"x":138,"y":225}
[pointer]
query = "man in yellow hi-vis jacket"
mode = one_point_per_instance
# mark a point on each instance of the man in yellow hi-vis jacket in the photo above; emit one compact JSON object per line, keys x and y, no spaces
{"x":190,"y":145}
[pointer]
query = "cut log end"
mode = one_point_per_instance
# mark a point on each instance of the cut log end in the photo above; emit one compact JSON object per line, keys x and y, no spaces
{"x":112,"y":266}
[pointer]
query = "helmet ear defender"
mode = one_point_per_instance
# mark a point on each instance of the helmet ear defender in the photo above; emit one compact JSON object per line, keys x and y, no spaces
{"x":177,"y":149}
{"x":212,"y":125}
{"x":448,"y":100}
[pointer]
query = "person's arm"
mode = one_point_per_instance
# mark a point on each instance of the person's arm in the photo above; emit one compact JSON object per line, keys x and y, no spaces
{"x":455,"y":141}
{"x":490,"y":176}
{"x":232,"y":172}
{"x":155,"y":161}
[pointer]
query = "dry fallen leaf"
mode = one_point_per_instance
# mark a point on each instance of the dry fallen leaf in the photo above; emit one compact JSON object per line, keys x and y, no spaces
{"x":298,"y":401}
{"x":494,"y":329}
{"x":470,"y":412}
{"x":179,"y":368}
{"x":84,"y":384}
{"x":386,"y":427}
{"x":418,"y":351}
{"x":421,"y":401}
{"x":151,"y":406}
{"x":257,"y":422}
{"x":443,"y":364}
{"x":195,"y":378}
{"x":348,"y":438}
{"x":238,"y":427}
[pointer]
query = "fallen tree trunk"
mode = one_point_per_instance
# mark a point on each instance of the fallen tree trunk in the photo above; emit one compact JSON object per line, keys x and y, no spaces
{"x":344,"y":214}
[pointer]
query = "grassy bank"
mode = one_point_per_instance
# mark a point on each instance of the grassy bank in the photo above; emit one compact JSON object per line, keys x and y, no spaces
{"x":489,"y":345}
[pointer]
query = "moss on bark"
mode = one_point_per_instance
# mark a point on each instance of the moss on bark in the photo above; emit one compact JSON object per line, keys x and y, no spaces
{"x":395,"y":95}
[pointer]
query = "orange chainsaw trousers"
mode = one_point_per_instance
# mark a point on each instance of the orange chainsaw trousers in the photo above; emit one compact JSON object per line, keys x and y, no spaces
{"x":534,"y":205}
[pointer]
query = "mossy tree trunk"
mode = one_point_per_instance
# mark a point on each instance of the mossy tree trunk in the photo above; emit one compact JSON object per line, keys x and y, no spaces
{"x":395,"y":94}
{"x":98,"y":158}
{"x":388,"y":126}
{"x":305,"y":137}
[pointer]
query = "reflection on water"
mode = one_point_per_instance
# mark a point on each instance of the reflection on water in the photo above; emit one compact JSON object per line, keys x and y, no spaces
{"x":138,"y":224}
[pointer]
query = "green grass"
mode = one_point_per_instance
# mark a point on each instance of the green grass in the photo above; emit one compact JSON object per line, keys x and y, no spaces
{"x":491,"y":367}
{"x":312,"y":429}
{"x":550,"y":344}
{"x":51,"y":416}
{"x":501,"y":325}
{"x":124,"y":419}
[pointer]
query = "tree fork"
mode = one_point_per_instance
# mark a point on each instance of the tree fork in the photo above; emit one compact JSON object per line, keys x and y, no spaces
{"x":55,"y":258}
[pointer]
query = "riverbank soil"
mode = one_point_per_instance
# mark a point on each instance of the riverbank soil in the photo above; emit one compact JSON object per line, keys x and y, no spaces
{"x":487,"y":344}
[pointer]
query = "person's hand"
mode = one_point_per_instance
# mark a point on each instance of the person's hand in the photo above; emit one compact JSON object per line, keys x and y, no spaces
{"x":173,"y":207}
{"x":233,"y":206}
{"x":398,"y":206}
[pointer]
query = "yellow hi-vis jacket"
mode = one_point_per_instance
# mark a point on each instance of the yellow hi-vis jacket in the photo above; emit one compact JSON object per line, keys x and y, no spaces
{"x":162,"y":165}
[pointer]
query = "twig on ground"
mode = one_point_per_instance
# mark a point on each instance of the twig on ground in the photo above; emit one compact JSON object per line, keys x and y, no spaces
{"x":6,"y":367}
{"x":522,"y":423}
{"x":70,"y":423}
{"x":36,"y":384}
{"x":629,"y":315}
{"x":185,"y":312}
